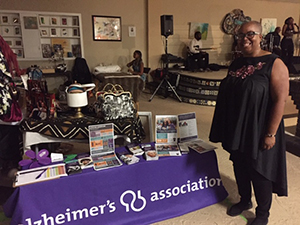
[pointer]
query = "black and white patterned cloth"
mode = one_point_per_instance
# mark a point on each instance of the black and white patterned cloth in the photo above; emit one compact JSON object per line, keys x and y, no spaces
{"x":5,"y":79}
{"x":68,"y":127}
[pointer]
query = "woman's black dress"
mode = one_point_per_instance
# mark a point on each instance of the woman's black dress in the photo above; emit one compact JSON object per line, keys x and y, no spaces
{"x":241,"y":118}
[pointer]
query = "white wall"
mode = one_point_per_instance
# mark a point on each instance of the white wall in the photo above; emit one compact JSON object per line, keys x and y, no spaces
{"x":145,"y":15}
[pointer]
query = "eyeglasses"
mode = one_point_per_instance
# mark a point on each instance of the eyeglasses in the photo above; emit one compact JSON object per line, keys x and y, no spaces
{"x":248,"y":35}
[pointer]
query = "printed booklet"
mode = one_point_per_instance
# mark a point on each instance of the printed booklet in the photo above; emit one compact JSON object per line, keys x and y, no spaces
{"x":102,"y":146}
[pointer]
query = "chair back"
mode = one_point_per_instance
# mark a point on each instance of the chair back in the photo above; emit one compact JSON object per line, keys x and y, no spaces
{"x":146,"y":70}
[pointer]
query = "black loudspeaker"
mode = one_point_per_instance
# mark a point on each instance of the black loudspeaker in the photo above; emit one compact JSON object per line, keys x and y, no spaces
{"x":166,"y":25}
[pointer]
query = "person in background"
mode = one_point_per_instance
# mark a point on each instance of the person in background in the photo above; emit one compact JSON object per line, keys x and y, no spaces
{"x":196,"y":44}
{"x":136,"y":66}
{"x":273,"y":41}
{"x":248,"y":122}
{"x":287,"y":44}
{"x":198,"y":59}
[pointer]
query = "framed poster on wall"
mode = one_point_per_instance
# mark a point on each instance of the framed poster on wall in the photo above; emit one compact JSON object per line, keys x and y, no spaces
{"x":106,"y":28}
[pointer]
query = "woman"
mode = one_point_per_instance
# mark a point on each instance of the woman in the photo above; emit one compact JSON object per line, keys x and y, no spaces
{"x":10,"y":136}
{"x":287,"y":43}
{"x":136,"y":66}
{"x":248,"y":122}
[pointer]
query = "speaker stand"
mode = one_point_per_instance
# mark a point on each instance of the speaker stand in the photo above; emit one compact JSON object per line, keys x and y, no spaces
{"x":166,"y":77}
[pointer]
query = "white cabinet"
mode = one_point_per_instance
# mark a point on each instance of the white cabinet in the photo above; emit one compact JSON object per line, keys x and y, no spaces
{"x":37,"y":35}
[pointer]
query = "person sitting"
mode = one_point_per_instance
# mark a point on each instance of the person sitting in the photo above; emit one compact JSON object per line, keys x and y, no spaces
{"x":196,"y":44}
{"x":273,"y":41}
{"x":136,"y":66}
{"x":197,"y":60}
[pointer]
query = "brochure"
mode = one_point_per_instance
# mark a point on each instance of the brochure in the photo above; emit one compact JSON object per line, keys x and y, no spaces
{"x":150,"y":152}
{"x":85,"y":162}
{"x":128,"y":158}
{"x":102,"y":146}
{"x":167,"y":150}
{"x":38,"y":174}
{"x":200,"y":146}
{"x":183,"y":147}
{"x":166,"y":129}
{"x":135,"y":149}
{"x":166,"y":135}
{"x":187,"y":127}
{"x":105,"y":161}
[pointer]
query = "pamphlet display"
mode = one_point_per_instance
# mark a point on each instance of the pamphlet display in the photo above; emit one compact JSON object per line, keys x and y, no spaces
{"x":189,"y":135}
{"x":102,"y":146}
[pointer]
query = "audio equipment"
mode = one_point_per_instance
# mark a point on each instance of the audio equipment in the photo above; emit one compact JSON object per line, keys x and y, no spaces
{"x":166,"y":25}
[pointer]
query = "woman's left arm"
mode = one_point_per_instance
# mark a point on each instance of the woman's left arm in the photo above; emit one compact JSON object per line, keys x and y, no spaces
{"x":279,"y":86}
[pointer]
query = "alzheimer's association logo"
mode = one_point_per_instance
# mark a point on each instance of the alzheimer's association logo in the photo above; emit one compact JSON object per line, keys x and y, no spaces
{"x":133,"y":201}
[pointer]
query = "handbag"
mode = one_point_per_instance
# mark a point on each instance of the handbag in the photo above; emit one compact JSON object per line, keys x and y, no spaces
{"x":114,"y":103}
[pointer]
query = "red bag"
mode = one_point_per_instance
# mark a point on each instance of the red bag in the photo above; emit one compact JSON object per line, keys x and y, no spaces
{"x":15,"y":113}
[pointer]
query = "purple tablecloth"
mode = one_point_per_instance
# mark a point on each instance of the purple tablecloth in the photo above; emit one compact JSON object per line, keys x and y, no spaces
{"x":142,"y":193}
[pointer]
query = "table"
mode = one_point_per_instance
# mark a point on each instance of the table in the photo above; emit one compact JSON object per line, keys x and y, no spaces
{"x":142,"y":193}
